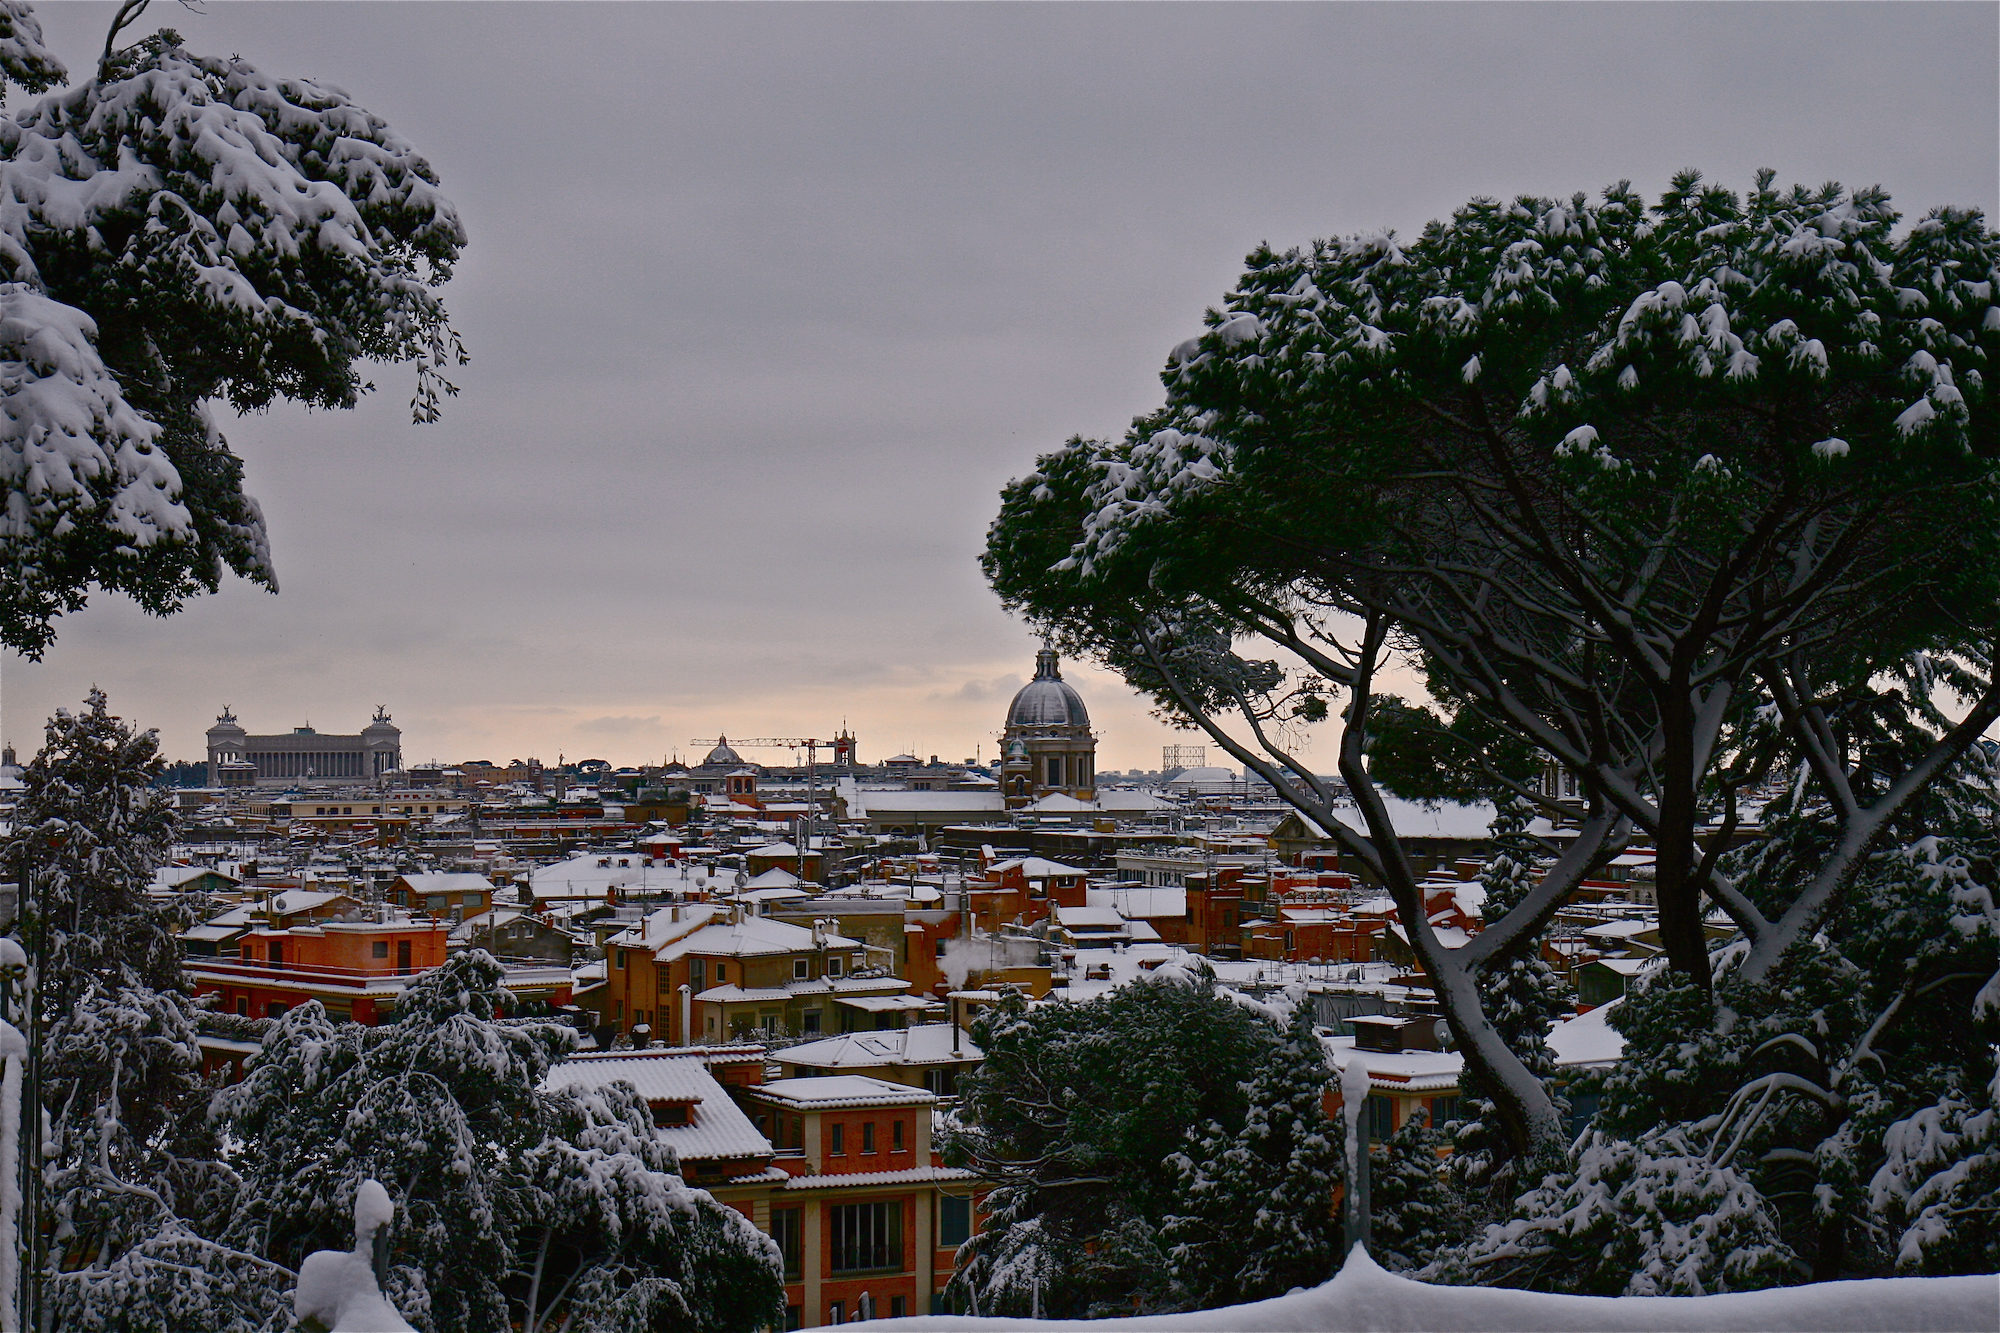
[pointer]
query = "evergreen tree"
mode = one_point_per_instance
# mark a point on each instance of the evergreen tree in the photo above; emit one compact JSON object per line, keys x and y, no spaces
{"x":516,"y":1207}
{"x":1413,"y":1208}
{"x":1255,"y":1214}
{"x":1522,"y":997}
{"x":1832,"y":1118}
{"x":1074,"y":1110}
{"x":130,"y":1163}
{"x":1650,"y":1216}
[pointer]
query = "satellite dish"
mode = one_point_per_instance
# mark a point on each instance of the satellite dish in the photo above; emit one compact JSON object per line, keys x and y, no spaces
{"x":1442,"y":1031}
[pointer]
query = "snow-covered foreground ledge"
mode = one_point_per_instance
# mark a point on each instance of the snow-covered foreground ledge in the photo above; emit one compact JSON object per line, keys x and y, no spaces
{"x":1366,"y":1299}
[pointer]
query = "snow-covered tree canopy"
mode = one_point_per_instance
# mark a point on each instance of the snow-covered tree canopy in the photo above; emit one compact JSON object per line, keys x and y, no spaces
{"x":182,"y":230}
{"x":1163,"y":1146}
{"x":1639,"y":488}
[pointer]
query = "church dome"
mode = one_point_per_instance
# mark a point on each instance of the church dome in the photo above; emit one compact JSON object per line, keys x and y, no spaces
{"x":1047,"y":701}
{"x":722,"y":754}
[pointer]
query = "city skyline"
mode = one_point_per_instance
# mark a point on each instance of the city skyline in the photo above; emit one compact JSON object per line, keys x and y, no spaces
{"x":766,"y":303}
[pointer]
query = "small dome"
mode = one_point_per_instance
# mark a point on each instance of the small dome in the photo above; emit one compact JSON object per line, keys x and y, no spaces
{"x":1047,"y":701}
{"x":722,"y":754}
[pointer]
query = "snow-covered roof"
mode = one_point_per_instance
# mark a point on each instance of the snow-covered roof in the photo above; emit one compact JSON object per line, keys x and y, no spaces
{"x":1412,"y":819}
{"x":927,"y":1044}
{"x":777,"y":877}
{"x":172,"y":877}
{"x":1624,"y":967}
{"x":1139,"y":900}
{"x":1451,"y":937}
{"x":866,"y":802}
{"x":1089,"y":918}
{"x":660,"y":927}
{"x":778,"y":850}
{"x":1124,"y":800}
{"x":213,"y":931}
{"x":887,"y":1004}
{"x":1399,"y":1071}
{"x":1618,"y":930}
{"x":752,"y":937}
{"x":836,"y":986}
{"x":447,"y":882}
{"x":915,"y":1175}
{"x":302,"y":900}
{"x":1588,"y":1039}
{"x":771,"y":895}
{"x":1035,"y":867}
{"x":835,"y":1092}
{"x":583,"y":876}
{"x":1303,"y":916}
{"x":717,"y":1128}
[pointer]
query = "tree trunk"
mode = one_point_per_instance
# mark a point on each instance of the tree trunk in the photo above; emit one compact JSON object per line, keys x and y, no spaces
{"x":1675,"y":889}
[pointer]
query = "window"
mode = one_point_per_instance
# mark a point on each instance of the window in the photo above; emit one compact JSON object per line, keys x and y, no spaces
{"x":274,"y":1010}
{"x":898,"y":1307}
{"x":380,"y":949}
{"x":838,"y":1147}
{"x":1379,"y":1117}
{"x":867,"y":1237}
{"x":954,"y":1221}
{"x":799,"y":969}
{"x":618,"y":958}
{"x":833,"y":967}
{"x":243,"y":1006}
{"x":788,"y":1229}
{"x":697,"y":974}
{"x":836,"y":1313}
{"x":1444,"y":1110}
{"x":868,"y":1137}
{"x":721,"y":974}
{"x":795,"y":1317}
{"x":940,"y":946}
{"x":895,"y":1136}
{"x":812,"y":1020}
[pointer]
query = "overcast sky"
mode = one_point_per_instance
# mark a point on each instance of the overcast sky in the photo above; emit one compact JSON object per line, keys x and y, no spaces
{"x":766,"y":302}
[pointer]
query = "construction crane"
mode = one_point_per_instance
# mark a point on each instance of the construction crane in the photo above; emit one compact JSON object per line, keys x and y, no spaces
{"x":811,"y":747}
{"x":794,"y":744}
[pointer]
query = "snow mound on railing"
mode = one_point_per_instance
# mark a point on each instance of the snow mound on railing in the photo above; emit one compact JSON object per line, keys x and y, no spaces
{"x":1364,"y":1298}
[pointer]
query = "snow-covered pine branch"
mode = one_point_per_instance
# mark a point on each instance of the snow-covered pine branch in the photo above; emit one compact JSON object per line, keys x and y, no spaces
{"x":185,"y":231}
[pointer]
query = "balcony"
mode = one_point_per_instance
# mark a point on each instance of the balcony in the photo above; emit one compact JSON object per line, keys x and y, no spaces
{"x":231,"y":970}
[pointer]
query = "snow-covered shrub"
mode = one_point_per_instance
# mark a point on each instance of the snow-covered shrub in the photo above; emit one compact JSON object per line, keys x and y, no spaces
{"x":1253,"y":1217}
{"x":1645,"y":1217}
{"x":1415,"y":1208}
{"x":1156,"y":1147}
{"x":517,"y":1207}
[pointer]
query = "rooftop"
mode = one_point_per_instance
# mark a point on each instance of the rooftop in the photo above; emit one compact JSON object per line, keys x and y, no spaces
{"x":839,"y":1091}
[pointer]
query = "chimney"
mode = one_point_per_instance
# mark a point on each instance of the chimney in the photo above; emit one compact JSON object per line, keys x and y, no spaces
{"x":687,"y":1015}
